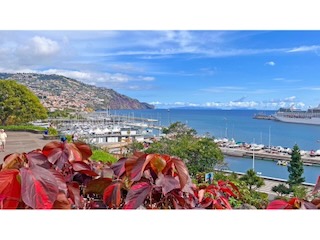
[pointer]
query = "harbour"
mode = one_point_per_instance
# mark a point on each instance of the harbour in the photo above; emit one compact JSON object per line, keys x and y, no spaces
{"x":240,"y":126}
{"x":267,"y":142}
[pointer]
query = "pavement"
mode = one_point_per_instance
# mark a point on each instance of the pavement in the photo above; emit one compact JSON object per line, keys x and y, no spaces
{"x":19,"y":142}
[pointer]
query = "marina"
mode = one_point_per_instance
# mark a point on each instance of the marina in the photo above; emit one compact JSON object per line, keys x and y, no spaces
{"x":270,"y":147}
{"x":105,"y":129}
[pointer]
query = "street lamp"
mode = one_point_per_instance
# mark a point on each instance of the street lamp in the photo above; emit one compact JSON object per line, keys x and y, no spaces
{"x":253,"y":155}
{"x":253,"y":159}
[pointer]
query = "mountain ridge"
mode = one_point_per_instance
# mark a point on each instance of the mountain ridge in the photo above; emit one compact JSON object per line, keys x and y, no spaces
{"x":58,"y":92}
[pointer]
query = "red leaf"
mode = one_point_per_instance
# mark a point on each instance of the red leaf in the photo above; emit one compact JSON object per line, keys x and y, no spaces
{"x":167,"y":183}
{"x":157,"y":162}
{"x":84,"y":168}
{"x":227,"y":191}
{"x":49,"y":147}
{"x":137,"y":195}
{"x":139,"y":167}
{"x":206,"y":202}
{"x":62,"y":202}
{"x":225,"y":202}
{"x":106,"y":172}
{"x":98,"y":186}
{"x":234,"y":187}
{"x":56,"y":152}
{"x":84,"y":149}
{"x":295,"y":203}
{"x":216,"y":204}
{"x":278,"y":204}
{"x":39,"y":187}
{"x":180,"y":200}
{"x":10,"y":189}
{"x":221,"y":183}
{"x":103,"y":170}
{"x":168,"y":166}
{"x":129,"y":164}
{"x":182,"y":170}
{"x":13,"y":161}
{"x":74,"y":193}
{"x":317,"y":186}
{"x":138,"y":154}
{"x":60,"y":180}
{"x":119,"y":167}
{"x":37,"y":158}
{"x":112,"y":195}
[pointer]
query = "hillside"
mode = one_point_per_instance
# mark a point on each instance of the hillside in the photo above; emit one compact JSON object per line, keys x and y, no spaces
{"x":59,"y":92}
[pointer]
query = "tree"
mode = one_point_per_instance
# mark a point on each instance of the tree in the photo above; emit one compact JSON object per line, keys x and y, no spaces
{"x":199,"y":154}
{"x":251,"y":179}
{"x":179,"y":129}
{"x":281,"y":189}
{"x":295,"y":168}
{"x":18,"y":104}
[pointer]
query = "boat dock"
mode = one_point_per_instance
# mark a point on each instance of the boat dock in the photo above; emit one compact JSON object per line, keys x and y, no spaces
{"x":263,"y":154}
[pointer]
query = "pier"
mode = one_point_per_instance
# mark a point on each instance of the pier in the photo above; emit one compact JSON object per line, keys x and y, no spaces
{"x":262,"y":154}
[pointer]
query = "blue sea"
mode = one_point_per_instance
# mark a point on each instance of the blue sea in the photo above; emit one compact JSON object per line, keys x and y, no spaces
{"x":242,"y":127}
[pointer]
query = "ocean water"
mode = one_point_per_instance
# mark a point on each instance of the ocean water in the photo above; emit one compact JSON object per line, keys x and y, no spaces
{"x":240,"y":125}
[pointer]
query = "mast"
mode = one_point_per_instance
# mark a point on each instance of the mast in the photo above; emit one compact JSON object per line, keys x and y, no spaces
{"x":269,"y":136}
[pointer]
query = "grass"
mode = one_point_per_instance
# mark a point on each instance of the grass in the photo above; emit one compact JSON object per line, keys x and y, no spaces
{"x":23,"y":128}
{"x":102,"y":156}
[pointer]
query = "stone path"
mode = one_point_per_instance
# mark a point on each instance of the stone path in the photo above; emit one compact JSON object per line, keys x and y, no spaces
{"x":22,"y":142}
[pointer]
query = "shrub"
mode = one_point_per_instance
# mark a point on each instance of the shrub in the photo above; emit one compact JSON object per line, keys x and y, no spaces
{"x":52,"y":131}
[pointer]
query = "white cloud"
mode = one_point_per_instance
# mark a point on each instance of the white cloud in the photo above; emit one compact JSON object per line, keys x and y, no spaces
{"x":44,"y":46}
{"x":148,"y":79}
{"x":109,"y":80}
{"x":280,"y":79}
{"x":156,"y":103}
{"x":311,"y":88}
{"x":271,"y":63}
{"x":304,"y":49}
{"x":224,"y":89}
{"x":290,"y":99}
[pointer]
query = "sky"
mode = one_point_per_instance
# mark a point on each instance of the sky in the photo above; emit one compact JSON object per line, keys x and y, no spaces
{"x":261,"y":69}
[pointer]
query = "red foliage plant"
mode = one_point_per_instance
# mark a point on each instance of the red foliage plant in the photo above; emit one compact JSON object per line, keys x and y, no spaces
{"x":62,"y":176}
{"x":44,"y":179}
{"x":313,"y":201}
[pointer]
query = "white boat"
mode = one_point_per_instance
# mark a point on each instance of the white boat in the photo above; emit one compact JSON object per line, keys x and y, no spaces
{"x":282,"y":163}
{"x":293,"y":115}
